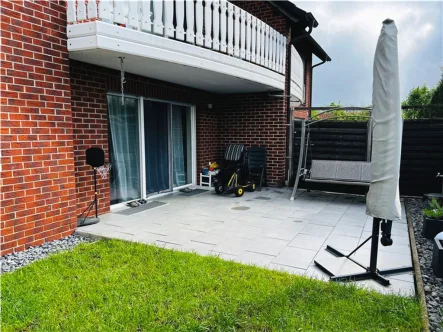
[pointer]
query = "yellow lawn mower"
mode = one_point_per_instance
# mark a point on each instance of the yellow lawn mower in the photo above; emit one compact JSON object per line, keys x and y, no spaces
{"x":234,"y":175}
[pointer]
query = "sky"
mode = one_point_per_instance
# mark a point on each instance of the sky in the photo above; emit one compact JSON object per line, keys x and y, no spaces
{"x":348,"y":32}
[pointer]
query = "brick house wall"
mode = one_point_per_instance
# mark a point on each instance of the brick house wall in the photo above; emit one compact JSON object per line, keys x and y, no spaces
{"x":265,"y":12}
{"x":53,"y":109}
{"x":37,"y":178}
{"x":90,"y":85}
{"x":260,"y":120}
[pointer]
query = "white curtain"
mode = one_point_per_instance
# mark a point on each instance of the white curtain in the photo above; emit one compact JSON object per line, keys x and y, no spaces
{"x":124,"y":149}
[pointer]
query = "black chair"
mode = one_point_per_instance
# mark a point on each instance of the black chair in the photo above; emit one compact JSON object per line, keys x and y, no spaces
{"x":257,"y":163}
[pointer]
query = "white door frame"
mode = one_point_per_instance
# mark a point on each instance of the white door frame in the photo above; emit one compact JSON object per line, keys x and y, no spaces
{"x":142,"y":146}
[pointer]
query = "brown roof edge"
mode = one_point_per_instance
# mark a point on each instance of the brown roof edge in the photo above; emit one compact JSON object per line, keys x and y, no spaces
{"x":317,"y":50}
{"x":300,"y":21}
{"x":298,"y":16}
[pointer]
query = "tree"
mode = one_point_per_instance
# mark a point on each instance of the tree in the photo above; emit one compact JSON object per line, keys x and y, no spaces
{"x":437,"y":98}
{"x":424,"y":96}
{"x":341,"y":115}
{"x":419,"y":96}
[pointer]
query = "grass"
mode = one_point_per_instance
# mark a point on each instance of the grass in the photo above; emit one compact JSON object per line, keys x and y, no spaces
{"x":113,"y":285}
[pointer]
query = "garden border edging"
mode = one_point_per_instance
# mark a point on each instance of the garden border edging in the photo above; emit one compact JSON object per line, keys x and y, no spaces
{"x":417,"y":272}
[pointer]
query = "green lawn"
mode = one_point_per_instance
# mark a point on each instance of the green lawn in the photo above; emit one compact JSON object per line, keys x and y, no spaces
{"x":121,"y":286}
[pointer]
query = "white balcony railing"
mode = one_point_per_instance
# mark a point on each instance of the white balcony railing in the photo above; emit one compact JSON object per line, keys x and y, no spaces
{"x":297,"y":76}
{"x":213,"y":24}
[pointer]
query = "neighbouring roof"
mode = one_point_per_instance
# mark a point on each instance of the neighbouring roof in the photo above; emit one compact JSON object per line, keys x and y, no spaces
{"x":311,"y":45}
{"x":300,"y":21}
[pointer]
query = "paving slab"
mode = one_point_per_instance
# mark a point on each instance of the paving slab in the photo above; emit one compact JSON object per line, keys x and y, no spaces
{"x":295,"y":257}
{"x":273,"y":233}
{"x":306,"y":241}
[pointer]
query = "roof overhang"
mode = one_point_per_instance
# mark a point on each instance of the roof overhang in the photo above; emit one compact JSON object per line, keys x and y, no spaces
{"x":299,"y":18}
{"x":310,"y":44}
{"x":300,"y":21}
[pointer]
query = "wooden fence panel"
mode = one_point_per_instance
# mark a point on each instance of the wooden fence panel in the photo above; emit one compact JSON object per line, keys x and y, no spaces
{"x":422,"y":157}
{"x":422,"y":152}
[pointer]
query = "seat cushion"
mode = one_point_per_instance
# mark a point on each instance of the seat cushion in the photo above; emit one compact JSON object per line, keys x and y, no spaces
{"x":358,"y":171}
{"x":323,"y":169}
{"x":365,"y":172}
{"x":348,"y":170}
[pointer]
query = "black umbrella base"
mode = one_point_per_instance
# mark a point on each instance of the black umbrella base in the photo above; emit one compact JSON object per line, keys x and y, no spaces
{"x":343,"y":268}
{"x":87,"y":221}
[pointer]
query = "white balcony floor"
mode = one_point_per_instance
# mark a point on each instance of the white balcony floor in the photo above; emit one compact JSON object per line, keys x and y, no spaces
{"x":265,"y":229}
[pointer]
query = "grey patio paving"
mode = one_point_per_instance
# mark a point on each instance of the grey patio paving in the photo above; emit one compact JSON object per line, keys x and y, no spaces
{"x":264,"y":229}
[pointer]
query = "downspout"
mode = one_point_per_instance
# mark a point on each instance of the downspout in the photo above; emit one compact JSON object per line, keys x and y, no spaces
{"x":318,"y":64}
{"x":312,"y":73}
{"x":290,"y":121}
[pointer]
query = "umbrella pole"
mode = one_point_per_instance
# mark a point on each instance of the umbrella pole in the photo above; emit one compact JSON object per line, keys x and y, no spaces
{"x":371,"y":272}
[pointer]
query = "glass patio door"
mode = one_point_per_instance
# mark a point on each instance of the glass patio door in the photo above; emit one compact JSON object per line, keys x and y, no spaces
{"x":156,"y":135}
{"x":124,"y":145}
{"x":151,"y":147}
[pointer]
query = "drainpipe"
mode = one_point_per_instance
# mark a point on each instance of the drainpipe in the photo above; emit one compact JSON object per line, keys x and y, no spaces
{"x":318,"y":64}
{"x":312,"y":72}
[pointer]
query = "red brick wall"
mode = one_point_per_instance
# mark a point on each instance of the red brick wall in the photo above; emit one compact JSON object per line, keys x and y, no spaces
{"x":37,"y":179}
{"x":265,"y":12}
{"x":90,"y":84}
{"x":257,"y":119}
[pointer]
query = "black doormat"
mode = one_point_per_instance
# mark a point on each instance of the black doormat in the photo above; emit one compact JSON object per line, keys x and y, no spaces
{"x":143,"y":207}
{"x":193,"y":192}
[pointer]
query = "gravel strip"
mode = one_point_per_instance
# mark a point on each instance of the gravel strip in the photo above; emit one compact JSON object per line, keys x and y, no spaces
{"x":17,"y":260}
{"x":433,"y":286}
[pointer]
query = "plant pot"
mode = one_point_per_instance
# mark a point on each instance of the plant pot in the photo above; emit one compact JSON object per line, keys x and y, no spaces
{"x":431,"y":227}
{"x":437,"y":256}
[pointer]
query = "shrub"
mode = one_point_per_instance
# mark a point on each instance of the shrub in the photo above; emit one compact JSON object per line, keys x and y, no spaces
{"x":435,"y":210}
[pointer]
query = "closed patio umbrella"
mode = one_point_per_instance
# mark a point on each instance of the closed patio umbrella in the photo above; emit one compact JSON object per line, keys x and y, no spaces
{"x":383,"y":199}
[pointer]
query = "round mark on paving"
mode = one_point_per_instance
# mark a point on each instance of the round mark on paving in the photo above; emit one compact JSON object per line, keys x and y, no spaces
{"x":241,"y":208}
{"x":298,"y":221}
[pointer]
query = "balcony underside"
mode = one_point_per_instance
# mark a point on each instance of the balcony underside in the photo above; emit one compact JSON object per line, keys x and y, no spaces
{"x":168,"y":59}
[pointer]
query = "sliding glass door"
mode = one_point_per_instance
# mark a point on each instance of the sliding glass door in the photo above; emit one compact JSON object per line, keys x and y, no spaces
{"x":124,"y":149}
{"x":157,"y":163}
{"x":151,"y":147}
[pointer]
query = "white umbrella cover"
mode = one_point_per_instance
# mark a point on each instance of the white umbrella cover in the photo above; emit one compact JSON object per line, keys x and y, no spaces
{"x":383,"y":199}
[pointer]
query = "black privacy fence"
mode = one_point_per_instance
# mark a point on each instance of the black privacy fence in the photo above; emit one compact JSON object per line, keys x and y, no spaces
{"x":422,"y":151}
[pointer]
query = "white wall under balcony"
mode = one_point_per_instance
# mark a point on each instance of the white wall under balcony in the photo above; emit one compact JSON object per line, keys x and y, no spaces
{"x":167,"y":59}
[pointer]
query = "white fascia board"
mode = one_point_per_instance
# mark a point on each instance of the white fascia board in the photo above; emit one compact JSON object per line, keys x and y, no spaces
{"x":81,"y":29}
{"x":128,"y":41}
{"x":82,"y":43}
